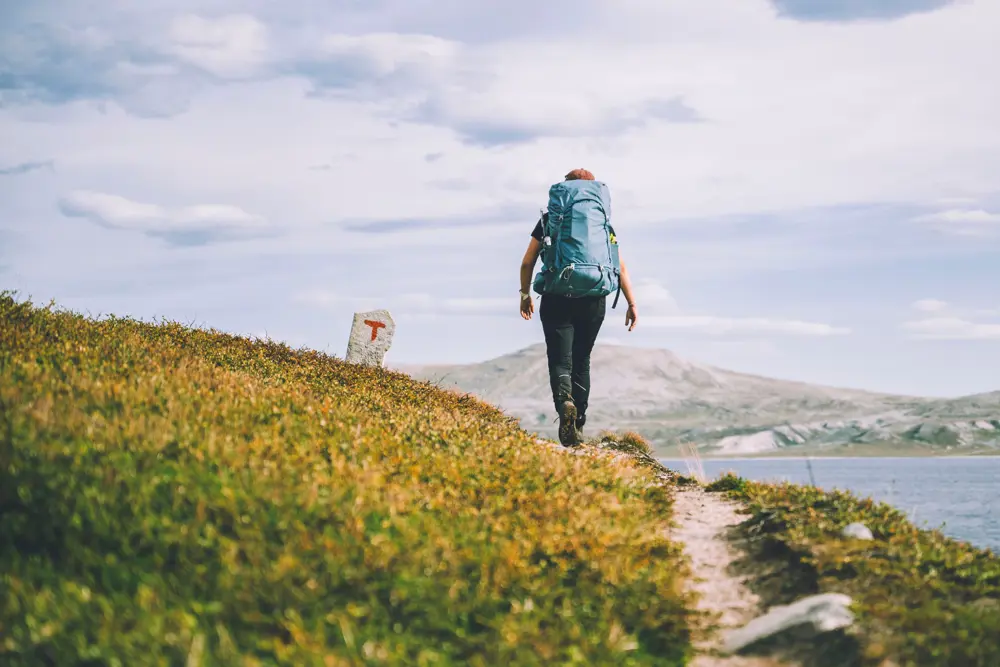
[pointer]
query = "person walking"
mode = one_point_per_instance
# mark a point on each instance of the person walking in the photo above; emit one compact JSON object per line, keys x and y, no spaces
{"x":581,"y":266}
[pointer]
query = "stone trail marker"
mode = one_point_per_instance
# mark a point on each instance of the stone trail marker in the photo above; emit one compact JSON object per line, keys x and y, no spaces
{"x":371,"y":337}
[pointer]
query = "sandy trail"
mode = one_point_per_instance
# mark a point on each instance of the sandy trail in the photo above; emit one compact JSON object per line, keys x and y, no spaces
{"x":702,"y":521}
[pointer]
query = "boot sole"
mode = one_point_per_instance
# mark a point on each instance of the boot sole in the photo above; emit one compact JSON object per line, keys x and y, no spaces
{"x":567,"y":425}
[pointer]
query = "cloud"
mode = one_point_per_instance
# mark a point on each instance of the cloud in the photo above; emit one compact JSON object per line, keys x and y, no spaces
{"x":930,"y":305}
{"x":652,"y":296}
{"x":230,"y":47}
{"x":951,"y":328}
{"x":148,"y":72}
{"x":26,"y":167}
{"x":492,"y":120}
{"x":659,"y":310}
{"x":944,"y":322}
{"x":717,"y":326}
{"x":320,"y":298}
{"x":854,"y":10}
{"x":58,"y":63}
{"x":426,"y":304}
{"x":392,"y":226}
{"x":481,"y":219}
{"x":376,"y":65}
{"x":965,"y":222}
{"x":419,"y":304}
{"x":442,"y":83}
{"x":455,"y":184}
{"x":188,"y":225}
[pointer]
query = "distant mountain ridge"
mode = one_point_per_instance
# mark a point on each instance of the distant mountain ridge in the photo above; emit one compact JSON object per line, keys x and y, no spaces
{"x":671,"y":400}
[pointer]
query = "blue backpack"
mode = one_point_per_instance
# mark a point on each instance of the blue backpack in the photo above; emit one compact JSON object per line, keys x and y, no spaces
{"x":579,"y":251}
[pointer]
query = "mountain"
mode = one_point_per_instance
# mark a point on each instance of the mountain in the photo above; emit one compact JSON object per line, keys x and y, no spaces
{"x":671,"y":400}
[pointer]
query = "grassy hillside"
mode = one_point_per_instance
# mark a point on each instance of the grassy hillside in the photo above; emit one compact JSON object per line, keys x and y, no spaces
{"x":922,"y":599}
{"x":172,"y":496}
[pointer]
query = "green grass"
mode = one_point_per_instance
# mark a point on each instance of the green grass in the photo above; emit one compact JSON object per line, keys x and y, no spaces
{"x":921,"y":598}
{"x":175,"y":496}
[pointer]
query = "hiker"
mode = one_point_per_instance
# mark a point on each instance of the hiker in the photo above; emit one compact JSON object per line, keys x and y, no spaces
{"x":581,"y":266}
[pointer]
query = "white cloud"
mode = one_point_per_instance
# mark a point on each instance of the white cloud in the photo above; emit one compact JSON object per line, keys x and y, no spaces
{"x":966,"y":222}
{"x":320,"y":298}
{"x":945,"y":322}
{"x":381,"y":54}
{"x":964,"y":216}
{"x":413,"y":303}
{"x":746,"y":157}
{"x":713,"y":325}
{"x":930,"y":305}
{"x":653,"y":296}
{"x":232,"y":46}
{"x":659,"y":310}
{"x":955,"y":201}
{"x":120,"y":213}
{"x":952,"y":328}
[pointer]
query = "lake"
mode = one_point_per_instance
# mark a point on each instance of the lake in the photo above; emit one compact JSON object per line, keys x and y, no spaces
{"x":959,"y":496}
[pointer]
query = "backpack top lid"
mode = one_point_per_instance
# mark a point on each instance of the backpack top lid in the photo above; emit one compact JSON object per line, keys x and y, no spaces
{"x":577,"y":185}
{"x":565,"y":194}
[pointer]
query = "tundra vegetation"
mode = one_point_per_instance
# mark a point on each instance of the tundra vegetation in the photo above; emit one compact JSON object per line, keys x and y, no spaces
{"x":171,"y":495}
{"x":920,"y":597}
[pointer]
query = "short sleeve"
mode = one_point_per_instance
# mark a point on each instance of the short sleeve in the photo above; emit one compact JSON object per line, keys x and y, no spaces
{"x":537,"y":232}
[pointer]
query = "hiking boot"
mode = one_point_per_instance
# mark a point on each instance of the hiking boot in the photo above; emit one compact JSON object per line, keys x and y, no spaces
{"x":567,"y":424}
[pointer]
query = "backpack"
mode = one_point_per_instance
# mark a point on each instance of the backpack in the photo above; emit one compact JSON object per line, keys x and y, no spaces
{"x":579,"y":252}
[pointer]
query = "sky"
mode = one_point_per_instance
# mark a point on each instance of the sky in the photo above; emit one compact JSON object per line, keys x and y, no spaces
{"x":803,"y":189}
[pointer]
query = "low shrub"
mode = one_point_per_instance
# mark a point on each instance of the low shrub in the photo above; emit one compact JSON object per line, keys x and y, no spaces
{"x":728,"y":481}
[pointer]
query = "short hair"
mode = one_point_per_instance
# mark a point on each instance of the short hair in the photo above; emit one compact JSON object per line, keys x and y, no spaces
{"x":581,"y":174}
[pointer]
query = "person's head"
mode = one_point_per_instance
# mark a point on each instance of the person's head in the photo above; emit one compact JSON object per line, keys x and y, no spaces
{"x":579,"y":174}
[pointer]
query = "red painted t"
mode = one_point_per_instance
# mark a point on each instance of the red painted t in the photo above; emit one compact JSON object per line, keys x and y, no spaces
{"x":375,"y":325}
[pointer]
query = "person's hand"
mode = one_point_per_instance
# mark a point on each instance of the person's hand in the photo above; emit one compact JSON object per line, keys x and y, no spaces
{"x":527,"y":307}
{"x":631,"y":317}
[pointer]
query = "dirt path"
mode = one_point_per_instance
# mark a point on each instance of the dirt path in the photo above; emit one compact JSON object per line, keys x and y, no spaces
{"x":702,"y":520}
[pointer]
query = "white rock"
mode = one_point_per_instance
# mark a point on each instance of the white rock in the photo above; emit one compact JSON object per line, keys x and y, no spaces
{"x":826,"y":612}
{"x":371,"y":337}
{"x":858,"y":531}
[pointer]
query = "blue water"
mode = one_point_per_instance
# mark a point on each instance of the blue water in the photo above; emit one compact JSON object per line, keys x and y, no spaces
{"x":959,"y":496}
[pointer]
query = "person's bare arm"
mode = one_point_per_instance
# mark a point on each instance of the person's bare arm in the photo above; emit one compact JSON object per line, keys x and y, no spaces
{"x":527,"y":268}
{"x":631,"y":315}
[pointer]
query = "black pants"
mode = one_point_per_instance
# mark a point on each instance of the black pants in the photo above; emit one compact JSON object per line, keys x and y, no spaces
{"x":571,"y":327}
